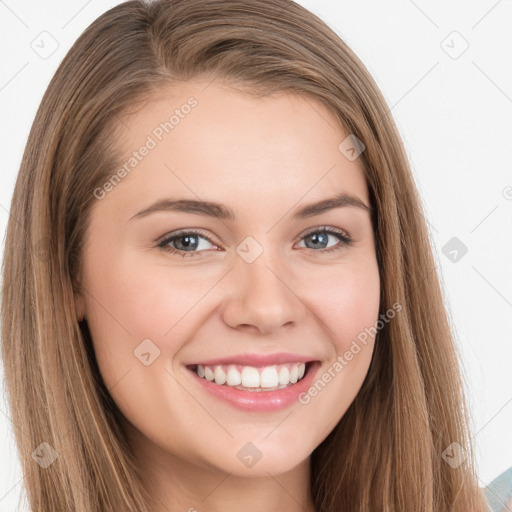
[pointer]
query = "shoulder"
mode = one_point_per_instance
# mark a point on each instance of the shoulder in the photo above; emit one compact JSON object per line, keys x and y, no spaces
{"x":498,"y":493}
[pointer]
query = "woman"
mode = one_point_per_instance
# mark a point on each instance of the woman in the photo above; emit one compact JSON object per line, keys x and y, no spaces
{"x":259,"y":371}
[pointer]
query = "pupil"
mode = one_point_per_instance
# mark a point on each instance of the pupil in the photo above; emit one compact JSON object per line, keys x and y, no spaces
{"x":315,"y":237}
{"x":188,"y":243}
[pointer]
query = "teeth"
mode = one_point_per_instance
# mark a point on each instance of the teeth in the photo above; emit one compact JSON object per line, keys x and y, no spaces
{"x":208,"y":373}
{"x":220,"y":375}
{"x":294,"y":374}
{"x":234,"y":377}
{"x":268,"y":377}
{"x":284,"y":375}
{"x":250,"y":377}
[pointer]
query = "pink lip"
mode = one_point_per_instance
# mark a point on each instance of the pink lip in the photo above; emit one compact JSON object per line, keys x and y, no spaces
{"x":257,"y":359}
{"x":259,"y":401}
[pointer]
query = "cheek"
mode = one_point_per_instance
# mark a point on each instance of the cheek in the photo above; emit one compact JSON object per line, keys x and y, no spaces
{"x":139,"y":302}
{"x":348,"y":303}
{"x":126,"y":305}
{"x":348,"y":309}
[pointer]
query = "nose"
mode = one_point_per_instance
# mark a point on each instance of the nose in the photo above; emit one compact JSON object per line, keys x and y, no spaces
{"x":262,"y":297}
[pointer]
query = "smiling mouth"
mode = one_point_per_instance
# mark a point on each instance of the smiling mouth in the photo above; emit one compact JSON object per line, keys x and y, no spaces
{"x":252,"y":378}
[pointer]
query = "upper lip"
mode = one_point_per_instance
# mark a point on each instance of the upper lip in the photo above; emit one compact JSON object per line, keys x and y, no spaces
{"x":257,"y":359}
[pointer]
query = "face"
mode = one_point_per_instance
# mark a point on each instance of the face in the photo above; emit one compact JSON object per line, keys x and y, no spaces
{"x":250,"y":299}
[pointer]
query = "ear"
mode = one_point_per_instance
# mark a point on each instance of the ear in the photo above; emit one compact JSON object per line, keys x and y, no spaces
{"x":80,"y":306}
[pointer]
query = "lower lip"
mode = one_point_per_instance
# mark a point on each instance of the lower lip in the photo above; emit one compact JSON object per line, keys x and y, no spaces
{"x":260,"y":401}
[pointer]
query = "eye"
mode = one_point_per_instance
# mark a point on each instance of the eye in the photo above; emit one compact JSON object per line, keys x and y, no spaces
{"x":188,"y":243}
{"x":318,"y":237}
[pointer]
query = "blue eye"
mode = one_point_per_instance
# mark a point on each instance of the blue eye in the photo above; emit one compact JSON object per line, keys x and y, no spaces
{"x":319,"y":236}
{"x":188,"y":241}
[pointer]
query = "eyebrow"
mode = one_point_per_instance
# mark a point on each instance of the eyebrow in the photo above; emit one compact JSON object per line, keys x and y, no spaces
{"x":223,"y":212}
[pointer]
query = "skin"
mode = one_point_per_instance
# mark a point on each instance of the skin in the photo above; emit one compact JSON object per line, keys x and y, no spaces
{"x":265,"y":158}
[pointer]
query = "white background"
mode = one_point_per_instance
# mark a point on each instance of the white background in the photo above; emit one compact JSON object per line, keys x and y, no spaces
{"x":455,"y":115}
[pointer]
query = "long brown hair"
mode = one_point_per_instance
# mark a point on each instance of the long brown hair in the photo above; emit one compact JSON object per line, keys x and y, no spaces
{"x":386,"y":453}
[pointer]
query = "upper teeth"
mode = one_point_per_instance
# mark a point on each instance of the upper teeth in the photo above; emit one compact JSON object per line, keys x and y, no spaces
{"x":250,"y":377}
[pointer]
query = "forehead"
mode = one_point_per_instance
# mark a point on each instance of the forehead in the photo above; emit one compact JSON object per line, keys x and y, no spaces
{"x":208,"y":140}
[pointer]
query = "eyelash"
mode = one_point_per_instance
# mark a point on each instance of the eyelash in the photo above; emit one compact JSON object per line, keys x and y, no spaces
{"x":344,"y":238}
